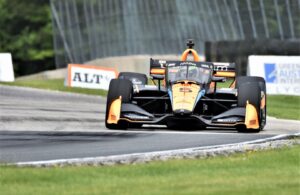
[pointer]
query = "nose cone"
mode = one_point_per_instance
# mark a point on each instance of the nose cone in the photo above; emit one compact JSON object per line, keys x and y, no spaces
{"x":184,"y":98}
{"x":182,"y":112}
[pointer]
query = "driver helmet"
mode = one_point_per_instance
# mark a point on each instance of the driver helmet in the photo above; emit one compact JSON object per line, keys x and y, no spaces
{"x":193,"y":72}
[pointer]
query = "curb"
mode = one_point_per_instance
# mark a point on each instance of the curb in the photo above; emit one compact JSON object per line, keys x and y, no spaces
{"x":191,"y":153}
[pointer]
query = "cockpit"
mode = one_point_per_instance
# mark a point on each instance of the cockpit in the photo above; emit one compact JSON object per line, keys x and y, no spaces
{"x":189,"y":72}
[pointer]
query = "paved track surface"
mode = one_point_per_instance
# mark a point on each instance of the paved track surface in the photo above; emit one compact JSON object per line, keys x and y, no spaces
{"x":44,"y":125}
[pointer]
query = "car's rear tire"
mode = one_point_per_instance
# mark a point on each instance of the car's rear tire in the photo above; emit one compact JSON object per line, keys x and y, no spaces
{"x":251,"y":92}
{"x":135,"y":78}
{"x":117,"y":88}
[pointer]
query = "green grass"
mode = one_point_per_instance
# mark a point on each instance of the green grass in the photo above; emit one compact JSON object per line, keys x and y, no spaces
{"x":280,"y":106}
{"x":55,"y":84}
{"x":225,"y":84}
{"x":267,"y":172}
{"x":284,"y":106}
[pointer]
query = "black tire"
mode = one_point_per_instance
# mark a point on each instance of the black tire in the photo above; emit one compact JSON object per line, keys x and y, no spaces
{"x":250,"y":92}
{"x":262,"y":84}
{"x":117,"y":88}
{"x":250,"y":79}
{"x":135,"y":78}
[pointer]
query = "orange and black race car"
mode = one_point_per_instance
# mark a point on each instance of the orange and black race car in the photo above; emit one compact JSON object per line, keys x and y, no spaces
{"x":186,"y":94}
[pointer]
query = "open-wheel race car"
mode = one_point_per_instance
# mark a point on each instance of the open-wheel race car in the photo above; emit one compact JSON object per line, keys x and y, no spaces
{"x":187,"y":95}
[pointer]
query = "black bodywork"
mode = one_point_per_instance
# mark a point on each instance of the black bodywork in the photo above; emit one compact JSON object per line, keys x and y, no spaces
{"x":152,"y":104}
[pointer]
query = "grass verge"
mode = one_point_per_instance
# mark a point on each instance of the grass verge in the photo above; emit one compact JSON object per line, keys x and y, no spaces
{"x":265,"y":172}
{"x":284,"y":106}
{"x":55,"y":84}
{"x":281,"y":106}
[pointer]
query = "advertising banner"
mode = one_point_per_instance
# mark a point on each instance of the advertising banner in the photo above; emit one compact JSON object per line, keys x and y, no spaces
{"x":87,"y":76}
{"x":6,"y":68}
{"x":282,"y":73}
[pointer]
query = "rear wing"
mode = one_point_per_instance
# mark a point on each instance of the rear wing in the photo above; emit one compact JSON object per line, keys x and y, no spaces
{"x":157,"y":67}
{"x":221,"y":69}
{"x":224,"y":69}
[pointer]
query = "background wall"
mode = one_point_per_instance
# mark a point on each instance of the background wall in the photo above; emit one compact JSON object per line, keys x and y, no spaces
{"x":91,"y":29}
{"x":238,"y":51}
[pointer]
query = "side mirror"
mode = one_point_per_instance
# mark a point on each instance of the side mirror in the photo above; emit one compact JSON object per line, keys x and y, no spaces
{"x":158,"y":76}
{"x":218,"y":79}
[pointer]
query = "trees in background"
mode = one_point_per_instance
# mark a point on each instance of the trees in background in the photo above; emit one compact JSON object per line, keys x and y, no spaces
{"x":26,"y":33}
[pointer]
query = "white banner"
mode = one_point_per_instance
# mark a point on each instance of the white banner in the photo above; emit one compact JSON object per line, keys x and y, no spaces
{"x":282,"y":73}
{"x":86,"y":76}
{"x":6,"y":68}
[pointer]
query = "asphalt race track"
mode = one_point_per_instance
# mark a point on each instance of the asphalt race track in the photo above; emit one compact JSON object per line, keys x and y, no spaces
{"x":38,"y":125}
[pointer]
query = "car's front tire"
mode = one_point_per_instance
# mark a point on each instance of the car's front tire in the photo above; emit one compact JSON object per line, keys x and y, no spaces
{"x":135,"y":78}
{"x":250,"y":92}
{"x":117,"y":88}
{"x":262,"y":84}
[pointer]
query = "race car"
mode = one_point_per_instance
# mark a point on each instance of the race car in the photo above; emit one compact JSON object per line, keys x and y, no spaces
{"x":186,"y":95}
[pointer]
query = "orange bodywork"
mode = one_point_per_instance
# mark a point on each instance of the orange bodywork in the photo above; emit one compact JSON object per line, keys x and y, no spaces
{"x":233,"y":84}
{"x":190,"y":51}
{"x":184,"y":56}
{"x":224,"y":74}
{"x":184,"y":96}
{"x":251,"y":119}
{"x":114,"y":111}
{"x":263,"y":102}
{"x":212,"y":86}
{"x":157,"y":71}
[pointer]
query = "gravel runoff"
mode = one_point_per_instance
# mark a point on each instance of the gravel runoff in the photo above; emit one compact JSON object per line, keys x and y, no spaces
{"x":192,"y":153}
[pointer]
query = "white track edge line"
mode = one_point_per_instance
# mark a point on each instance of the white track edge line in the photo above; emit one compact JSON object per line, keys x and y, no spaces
{"x":140,"y":155}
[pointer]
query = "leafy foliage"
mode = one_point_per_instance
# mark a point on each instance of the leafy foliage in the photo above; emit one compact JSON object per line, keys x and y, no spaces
{"x":26,"y":32}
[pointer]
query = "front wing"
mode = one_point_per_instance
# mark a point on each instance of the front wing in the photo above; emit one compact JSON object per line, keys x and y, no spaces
{"x":234,"y":117}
